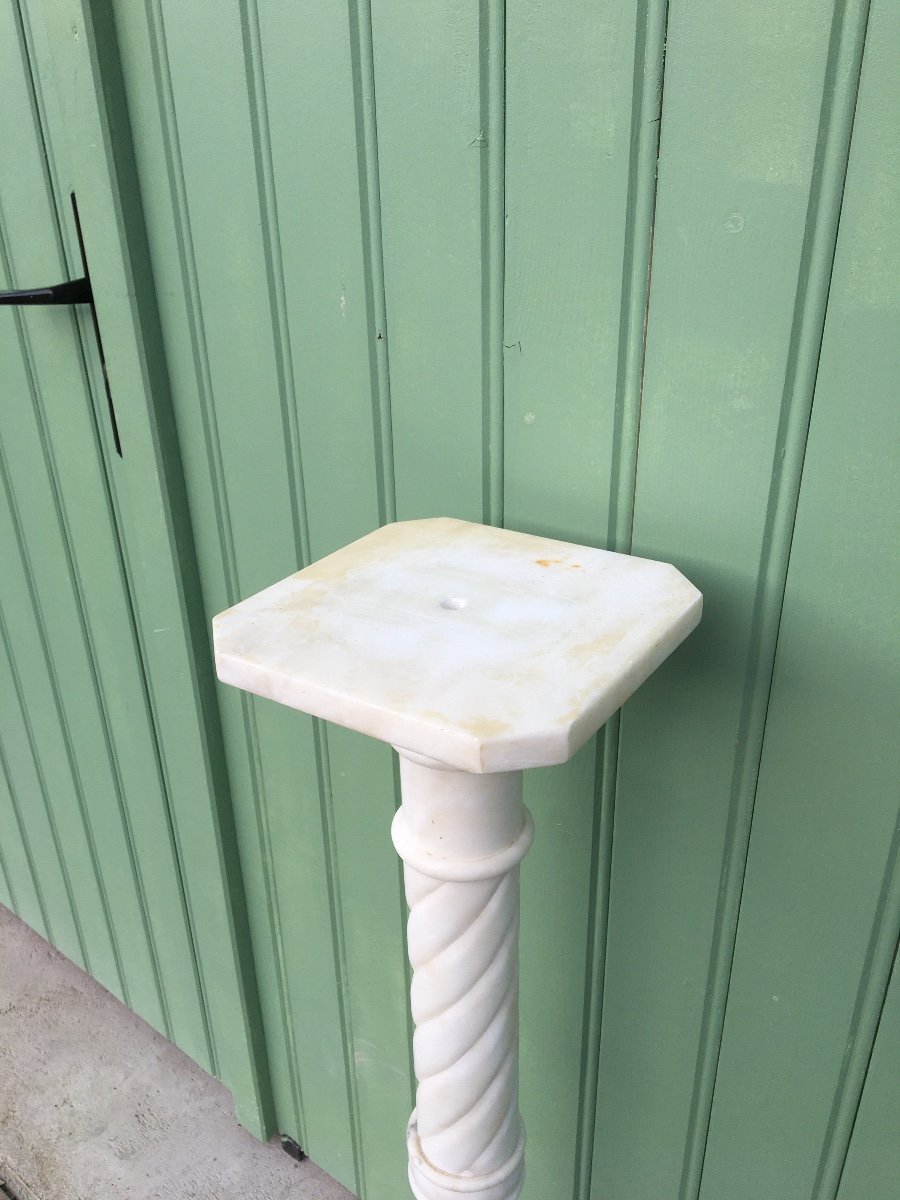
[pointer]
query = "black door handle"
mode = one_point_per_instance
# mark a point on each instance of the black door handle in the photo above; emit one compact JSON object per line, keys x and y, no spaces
{"x":73,"y":291}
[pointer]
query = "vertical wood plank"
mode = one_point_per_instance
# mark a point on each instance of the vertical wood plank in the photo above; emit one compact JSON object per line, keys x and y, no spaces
{"x":820,"y":914}
{"x":210,"y":152}
{"x":309,"y":128}
{"x":728,"y":302}
{"x":33,"y":679}
{"x":323,"y":206}
{"x":23,"y":894}
{"x":434,"y":147}
{"x":582,"y":102}
{"x":872,"y":1165}
{"x":373,"y":914}
{"x":7,"y":893}
{"x":576,"y":112}
{"x":331,"y":345}
{"x":33,"y":811}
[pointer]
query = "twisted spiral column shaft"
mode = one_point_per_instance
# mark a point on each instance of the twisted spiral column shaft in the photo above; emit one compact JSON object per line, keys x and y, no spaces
{"x":462,"y":837}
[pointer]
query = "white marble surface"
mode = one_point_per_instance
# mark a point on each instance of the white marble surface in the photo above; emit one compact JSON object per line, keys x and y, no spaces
{"x":482,"y":648}
{"x":462,"y":837}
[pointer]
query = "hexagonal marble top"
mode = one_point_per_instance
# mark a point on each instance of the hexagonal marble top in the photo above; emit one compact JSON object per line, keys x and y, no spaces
{"x":485,"y":649}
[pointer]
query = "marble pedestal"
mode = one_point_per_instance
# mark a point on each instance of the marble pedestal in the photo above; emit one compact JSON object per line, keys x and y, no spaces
{"x":477,"y":653}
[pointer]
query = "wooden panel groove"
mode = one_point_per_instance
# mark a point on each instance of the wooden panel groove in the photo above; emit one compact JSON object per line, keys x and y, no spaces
{"x":870,"y":1167}
{"x":870,"y":1002}
{"x":646,"y":122}
{"x":97,"y":894}
{"x":160,"y":762}
{"x":841,"y":84}
{"x":428,"y":65}
{"x":200,"y":355}
{"x":651,"y":21}
{"x":274,"y":264}
{"x":53,"y":862}
{"x":36,"y":915}
{"x":9,"y":892}
{"x":595,"y":967}
{"x":271,"y":241}
{"x":188,"y":271}
{"x":329,"y":837}
{"x":362,"y":56}
{"x":492,"y":148}
{"x":275,"y":272}
{"x":37,"y":100}
{"x":21,"y":884}
{"x":264,"y":835}
{"x":861,"y":1157}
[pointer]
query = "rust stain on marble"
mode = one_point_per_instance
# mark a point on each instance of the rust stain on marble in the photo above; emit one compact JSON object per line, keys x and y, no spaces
{"x":584,"y":651}
{"x":478,"y":727}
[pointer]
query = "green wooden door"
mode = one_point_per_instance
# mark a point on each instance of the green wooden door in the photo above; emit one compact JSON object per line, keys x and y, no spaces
{"x":623,"y":273}
{"x":111,"y":815}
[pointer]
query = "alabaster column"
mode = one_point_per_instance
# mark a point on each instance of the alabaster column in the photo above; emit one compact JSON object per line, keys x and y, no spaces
{"x":462,"y":837}
{"x":477,"y":653}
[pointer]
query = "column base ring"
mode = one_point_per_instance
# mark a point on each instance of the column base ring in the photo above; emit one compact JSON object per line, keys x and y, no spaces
{"x":428,"y":1182}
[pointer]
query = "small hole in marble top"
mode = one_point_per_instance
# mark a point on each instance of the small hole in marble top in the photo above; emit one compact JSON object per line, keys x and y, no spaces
{"x":454,"y":602}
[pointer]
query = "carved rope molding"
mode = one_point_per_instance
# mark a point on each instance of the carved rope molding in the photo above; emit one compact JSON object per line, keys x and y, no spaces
{"x":466,"y":1135}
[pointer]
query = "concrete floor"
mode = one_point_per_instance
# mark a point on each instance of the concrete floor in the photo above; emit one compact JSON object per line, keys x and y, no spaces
{"x":94,"y":1104}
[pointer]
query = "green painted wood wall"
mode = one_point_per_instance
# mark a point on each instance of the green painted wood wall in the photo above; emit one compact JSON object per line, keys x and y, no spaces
{"x":626,"y":273}
{"x":116,"y":836}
